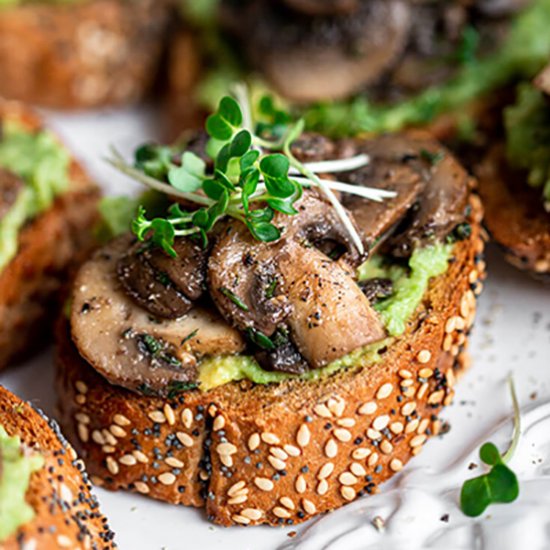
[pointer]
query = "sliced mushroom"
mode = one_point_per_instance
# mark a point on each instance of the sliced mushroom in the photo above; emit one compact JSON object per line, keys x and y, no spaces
{"x":128,"y":347}
{"x":164,"y":286}
{"x":259,"y":286}
{"x":10,"y":187}
{"x":323,"y":57}
{"x":323,"y":7}
{"x":432,"y":192}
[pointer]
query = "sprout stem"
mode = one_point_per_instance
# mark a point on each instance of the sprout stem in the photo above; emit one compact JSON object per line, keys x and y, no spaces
{"x":517,"y":422}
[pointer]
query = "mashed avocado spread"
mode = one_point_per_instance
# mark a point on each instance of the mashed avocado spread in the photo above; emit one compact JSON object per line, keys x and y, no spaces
{"x":15,"y":471}
{"x":42,"y":163}
{"x":409,"y":288}
{"x":528,"y":137}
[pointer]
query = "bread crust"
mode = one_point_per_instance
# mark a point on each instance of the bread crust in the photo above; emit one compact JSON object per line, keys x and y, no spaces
{"x":281,"y":453}
{"x":50,"y":247}
{"x":66,"y":512}
{"x":514,"y":214}
{"x":89,"y":54}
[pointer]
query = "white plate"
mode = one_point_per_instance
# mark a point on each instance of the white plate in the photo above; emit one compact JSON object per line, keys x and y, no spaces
{"x":512,"y":334}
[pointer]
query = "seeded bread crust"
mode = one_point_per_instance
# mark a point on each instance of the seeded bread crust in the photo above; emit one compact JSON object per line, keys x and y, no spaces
{"x":279,"y":454}
{"x":66,"y":513}
{"x":88,"y":54}
{"x":50,"y":247}
{"x":515,"y":216}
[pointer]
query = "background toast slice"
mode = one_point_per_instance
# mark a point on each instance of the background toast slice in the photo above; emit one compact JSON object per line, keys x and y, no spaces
{"x":66,"y":513}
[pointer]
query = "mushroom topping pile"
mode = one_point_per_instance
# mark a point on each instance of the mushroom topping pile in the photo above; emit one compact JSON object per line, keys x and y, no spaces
{"x":144,"y":319}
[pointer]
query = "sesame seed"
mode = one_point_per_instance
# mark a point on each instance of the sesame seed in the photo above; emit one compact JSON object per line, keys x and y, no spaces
{"x":140,"y":457}
{"x":423,"y":426}
{"x":373,"y":459}
{"x":408,"y":382}
{"x":219,"y":423}
{"x":174,"y":462}
{"x":425,"y":373}
{"x":167,"y":478}
{"x":235,"y":488}
{"x":112,"y":465}
{"x":386,"y":447}
{"x":83,"y":432}
{"x":357,"y":469}
{"x":80,"y":399}
{"x":98,"y":438}
{"x":436,"y":397}
{"x":418,"y":440}
{"x":81,"y":387}
{"x":264,"y":483}
{"x":121,"y":420}
{"x":408,"y":408}
{"x":373,"y":434}
{"x":346,"y":422}
{"x":108,"y":449}
{"x":381,"y":422}
{"x":238,"y":499}
{"x":404,"y":373}
{"x":117,"y":431}
{"x":396,"y":427}
{"x":326,"y":470}
{"x":185,"y":439}
{"x":252,"y":513}
{"x":322,"y":411}
{"x":360,"y":453}
{"x":141,"y":487}
{"x":82,"y":417}
{"x":287,"y":503}
{"x":300,"y":484}
{"x":348,"y":493}
{"x":157,"y":416}
{"x":292,"y":450}
{"x":226,"y":460}
{"x":342,"y":435}
{"x":187,"y":417}
{"x":308,"y":506}
{"x":64,"y":541}
{"x":270,"y":438}
{"x":424,"y":356}
{"x":331,"y":448}
{"x":368,"y":408}
{"x":169,"y":414}
{"x":278,"y":453}
{"x":322,"y":487}
{"x":303,"y":436}
{"x":281,"y":512}
{"x":411,"y":426}
{"x":254,"y":441}
{"x":277,"y":463}
{"x":240,"y":519}
{"x":347,"y":478}
{"x":226,"y":449}
{"x":384,"y":391}
{"x":422,"y":390}
{"x":396,"y":465}
{"x":447,"y":342}
{"x":128,"y":460}
{"x":336,"y":406}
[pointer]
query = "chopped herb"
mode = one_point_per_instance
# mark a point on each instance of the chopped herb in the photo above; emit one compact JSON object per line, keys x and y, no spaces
{"x":175,"y":387}
{"x":500,"y":484}
{"x":234,"y":298}
{"x":260,"y":339}
{"x":145,"y":389}
{"x":189,"y":336}
{"x":157,"y":350}
{"x":460,"y":233}
{"x":270,"y":290}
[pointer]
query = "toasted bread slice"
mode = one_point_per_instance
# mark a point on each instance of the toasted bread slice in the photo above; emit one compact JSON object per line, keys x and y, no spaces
{"x":86,"y":54}
{"x":280,"y":453}
{"x":66,"y":512}
{"x":50,"y":246}
{"x":514,"y":214}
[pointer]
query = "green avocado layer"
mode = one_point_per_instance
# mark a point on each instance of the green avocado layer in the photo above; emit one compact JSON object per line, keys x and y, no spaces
{"x":528,"y":136}
{"x":409,"y":288}
{"x":42,"y":162}
{"x":16,"y":468}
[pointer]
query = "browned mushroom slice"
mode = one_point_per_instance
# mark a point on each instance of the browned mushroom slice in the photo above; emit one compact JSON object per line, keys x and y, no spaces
{"x":122,"y":342}
{"x":10,"y":187}
{"x":331,"y":316}
{"x":323,"y":57}
{"x":164,"y":286}
{"x":243,"y":274}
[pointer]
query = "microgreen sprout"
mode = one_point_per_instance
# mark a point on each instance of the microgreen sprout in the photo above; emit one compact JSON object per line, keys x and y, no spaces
{"x":251,"y":177}
{"x":500,"y":484}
